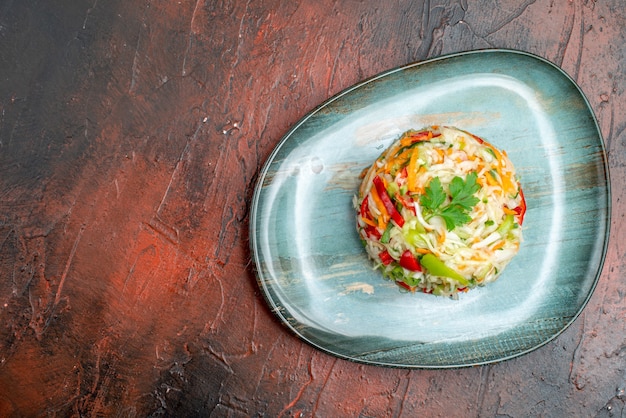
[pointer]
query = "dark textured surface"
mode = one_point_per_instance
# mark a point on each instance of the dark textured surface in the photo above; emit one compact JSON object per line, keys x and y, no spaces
{"x":131,"y":134}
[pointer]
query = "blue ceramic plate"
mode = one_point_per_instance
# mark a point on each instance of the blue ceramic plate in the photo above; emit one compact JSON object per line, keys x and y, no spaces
{"x":314,"y":272}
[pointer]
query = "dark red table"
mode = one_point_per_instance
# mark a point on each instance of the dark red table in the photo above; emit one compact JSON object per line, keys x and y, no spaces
{"x":131,"y":135}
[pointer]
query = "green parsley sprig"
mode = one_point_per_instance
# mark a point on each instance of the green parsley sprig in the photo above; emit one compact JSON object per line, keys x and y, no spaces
{"x":460,"y":200}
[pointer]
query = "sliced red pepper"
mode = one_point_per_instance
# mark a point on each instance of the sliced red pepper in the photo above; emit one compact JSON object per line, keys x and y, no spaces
{"x":384,"y":197}
{"x":365,"y":209}
{"x":372,"y":231}
{"x":407,"y":287}
{"x":422,"y":136}
{"x":409,"y":262}
{"x":406,"y":203}
{"x":385,"y":257}
{"x":521,"y":209}
{"x":412,"y":138}
{"x":477,"y":138}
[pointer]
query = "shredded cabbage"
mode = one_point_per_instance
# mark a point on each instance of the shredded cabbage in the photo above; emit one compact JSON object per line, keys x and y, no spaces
{"x":486,"y":225}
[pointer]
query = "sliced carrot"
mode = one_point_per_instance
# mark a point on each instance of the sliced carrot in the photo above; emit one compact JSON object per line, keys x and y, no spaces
{"x":369,"y":222}
{"x":442,"y":237}
{"x":507,"y":184}
{"x":399,"y":161}
{"x":441,"y":155}
{"x":413,"y":137}
{"x":384,"y":218}
{"x":491,"y":179}
{"x":412,"y":172}
{"x":509,"y":211}
{"x":498,"y":245}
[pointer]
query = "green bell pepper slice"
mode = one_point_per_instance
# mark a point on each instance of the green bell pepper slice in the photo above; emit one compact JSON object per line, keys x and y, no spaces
{"x":436,"y":267}
{"x":506,"y":225}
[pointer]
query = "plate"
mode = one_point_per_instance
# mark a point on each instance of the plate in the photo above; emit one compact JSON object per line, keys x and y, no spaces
{"x":313,"y":270}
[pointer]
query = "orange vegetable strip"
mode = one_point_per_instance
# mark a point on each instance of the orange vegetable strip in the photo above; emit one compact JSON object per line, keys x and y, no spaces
{"x":441,"y":237}
{"x":491,"y":180}
{"x":498,"y":245}
{"x":379,"y":184}
{"x":381,"y":207}
{"x":441,"y":154}
{"x":413,"y":137}
{"x":369,"y":222}
{"x":412,"y":172}
{"x":507,"y":184}
{"x":509,"y":211}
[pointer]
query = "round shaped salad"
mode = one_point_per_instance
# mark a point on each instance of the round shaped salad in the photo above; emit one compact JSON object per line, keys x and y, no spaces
{"x":440,"y":211}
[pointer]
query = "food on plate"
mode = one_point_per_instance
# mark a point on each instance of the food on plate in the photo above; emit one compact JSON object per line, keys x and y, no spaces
{"x":440,"y":211}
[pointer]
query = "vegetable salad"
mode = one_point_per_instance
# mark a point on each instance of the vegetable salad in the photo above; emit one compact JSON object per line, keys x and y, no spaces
{"x":440,"y":211}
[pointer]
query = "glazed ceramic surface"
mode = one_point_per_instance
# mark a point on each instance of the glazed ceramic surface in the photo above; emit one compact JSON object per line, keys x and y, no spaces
{"x":311,"y":265}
